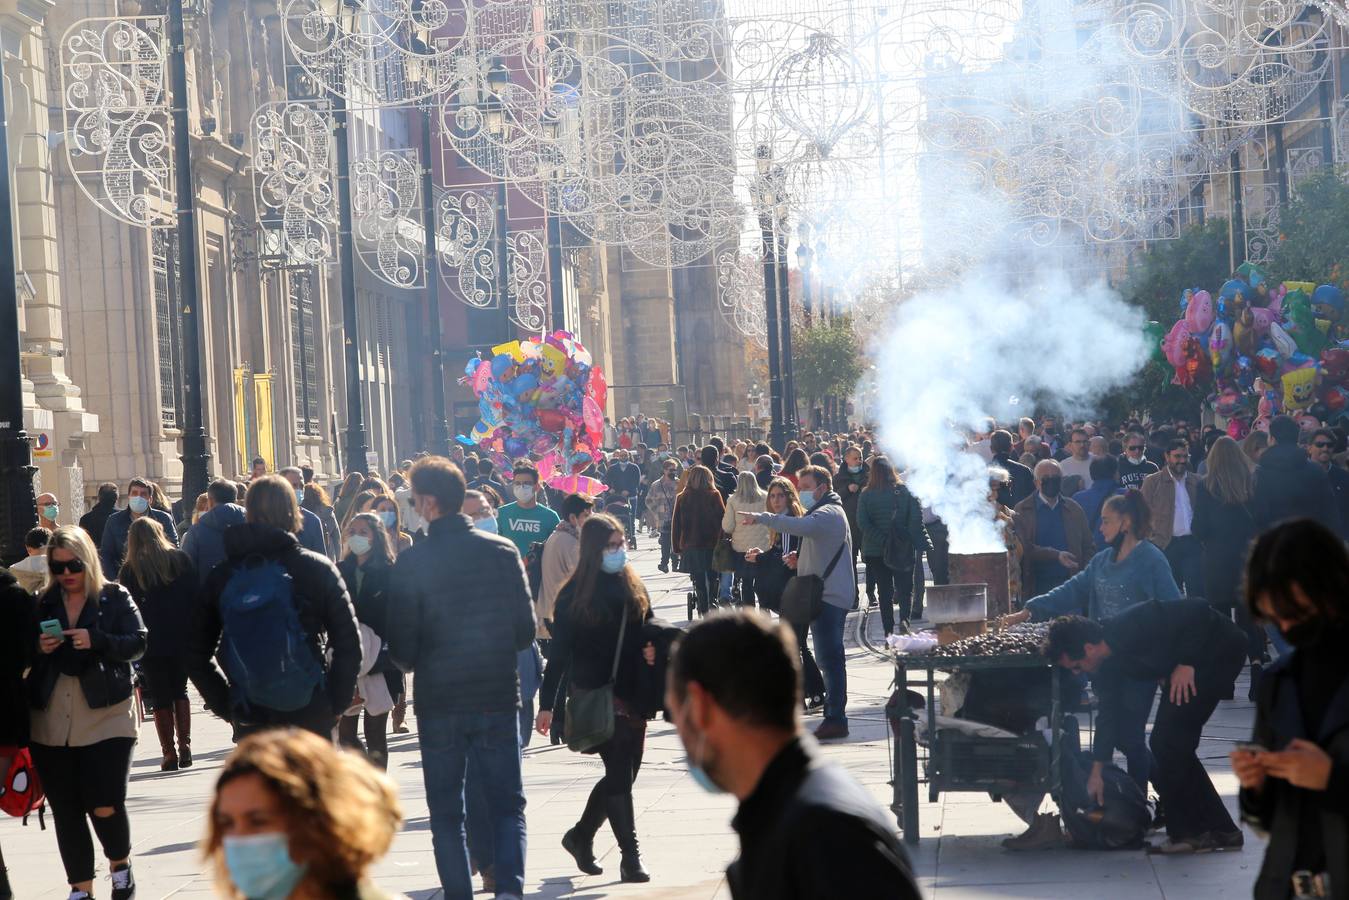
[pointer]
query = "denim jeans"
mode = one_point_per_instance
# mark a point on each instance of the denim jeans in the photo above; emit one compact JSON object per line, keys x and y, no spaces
{"x":529,"y":666}
{"x":828,"y":632}
{"x":727,"y":579}
{"x":492,"y":741}
{"x":1132,"y":739}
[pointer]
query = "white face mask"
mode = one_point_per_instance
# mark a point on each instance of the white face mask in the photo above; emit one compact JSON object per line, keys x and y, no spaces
{"x":524,"y":492}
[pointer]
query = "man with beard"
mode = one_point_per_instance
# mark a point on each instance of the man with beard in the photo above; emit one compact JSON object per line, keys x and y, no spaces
{"x":1170,"y":494}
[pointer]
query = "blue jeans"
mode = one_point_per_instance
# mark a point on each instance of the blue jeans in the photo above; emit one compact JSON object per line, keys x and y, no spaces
{"x":828,"y":632}
{"x":492,"y":741}
{"x":1132,"y":739}
{"x":529,"y":666}
{"x":727,"y":579}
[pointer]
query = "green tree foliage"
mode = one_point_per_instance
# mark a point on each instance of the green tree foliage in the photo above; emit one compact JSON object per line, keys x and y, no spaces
{"x":827,"y":359}
{"x":1313,"y":242}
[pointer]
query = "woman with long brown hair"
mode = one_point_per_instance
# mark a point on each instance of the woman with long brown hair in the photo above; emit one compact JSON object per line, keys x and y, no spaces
{"x":796,"y":461}
{"x":163,"y":582}
{"x":346,"y":495}
{"x":1225,"y":526}
{"x":886,"y":501}
{"x":695,"y":529}
{"x":600,"y":611}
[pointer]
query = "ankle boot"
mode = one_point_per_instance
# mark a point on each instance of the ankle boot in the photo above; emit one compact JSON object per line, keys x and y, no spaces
{"x":182,"y":719}
{"x":164,"y":728}
{"x":624,"y":823}
{"x":400,"y":711}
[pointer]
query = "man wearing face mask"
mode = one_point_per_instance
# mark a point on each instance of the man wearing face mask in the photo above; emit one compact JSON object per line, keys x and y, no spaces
{"x":807,"y":830}
{"x":1054,"y":532}
{"x":48,"y":509}
{"x":311,"y":535}
{"x":1171,"y":497}
{"x":112,"y":549}
{"x":525,"y":521}
{"x":1134,"y":466}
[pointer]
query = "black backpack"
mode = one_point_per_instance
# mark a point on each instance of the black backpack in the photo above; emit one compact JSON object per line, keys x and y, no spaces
{"x":1120,"y":823}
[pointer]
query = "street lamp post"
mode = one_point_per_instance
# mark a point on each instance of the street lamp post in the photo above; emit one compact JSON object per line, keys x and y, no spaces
{"x":793,"y":426}
{"x":494,"y":118}
{"x":766,"y":200}
{"x":17,"y":510}
{"x":196,"y":458}
{"x":346,"y":258}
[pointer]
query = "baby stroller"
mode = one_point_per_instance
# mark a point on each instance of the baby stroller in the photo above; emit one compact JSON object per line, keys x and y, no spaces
{"x":621,"y":510}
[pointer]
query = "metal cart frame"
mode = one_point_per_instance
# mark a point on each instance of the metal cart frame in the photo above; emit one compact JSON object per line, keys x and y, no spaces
{"x":906,"y":776}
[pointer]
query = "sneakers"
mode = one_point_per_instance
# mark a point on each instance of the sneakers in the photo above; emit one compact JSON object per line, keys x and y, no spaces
{"x":123,"y":883}
{"x":1183,"y":846}
{"x":664,"y":567}
{"x":79,"y":895}
{"x":1044,"y":833}
{"x":831,"y":731}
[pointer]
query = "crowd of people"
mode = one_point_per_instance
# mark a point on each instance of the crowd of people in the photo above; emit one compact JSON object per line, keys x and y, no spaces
{"x":299,"y":615}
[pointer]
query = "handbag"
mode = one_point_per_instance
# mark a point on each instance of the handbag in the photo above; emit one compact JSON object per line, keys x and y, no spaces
{"x":803,"y":598}
{"x":590,"y":711}
{"x":723,"y":557}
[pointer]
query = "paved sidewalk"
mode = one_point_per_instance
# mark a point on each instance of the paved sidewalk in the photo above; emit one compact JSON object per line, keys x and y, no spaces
{"x":685,"y":832}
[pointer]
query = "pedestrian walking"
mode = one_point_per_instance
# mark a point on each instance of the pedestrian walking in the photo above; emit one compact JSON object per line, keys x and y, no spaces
{"x":560,"y":554}
{"x":891,"y":521}
{"x":205,"y":542}
{"x":1171,"y":495}
{"x":112,"y":547}
{"x":1224,"y":525}
{"x":660,"y":503}
{"x":1288,"y":485}
{"x":849,"y":482}
{"x":748,"y":497}
{"x":460,"y":614}
{"x":1195,"y":654}
{"x":598,"y":641}
{"x":391,"y":517}
{"x":346,"y":496}
{"x":796,"y":461}
{"x":1053,"y":531}
{"x":269,"y":611}
{"x":695,"y":528}
{"x":1292,"y":771}
{"x":316,"y":501}
{"x":31,"y":571}
{"x":88,"y":632}
{"x":824,"y":530}
{"x":294,"y":818}
{"x":17,"y":646}
{"x":310,"y":534}
{"x":366,"y":568}
{"x":95,"y":519}
{"x":807,"y":829}
{"x":525,"y":521}
{"x":163,"y":582}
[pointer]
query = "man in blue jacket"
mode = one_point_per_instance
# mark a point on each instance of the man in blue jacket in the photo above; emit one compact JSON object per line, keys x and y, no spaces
{"x":205,"y":541}
{"x":112,"y":549}
{"x":311,"y":535}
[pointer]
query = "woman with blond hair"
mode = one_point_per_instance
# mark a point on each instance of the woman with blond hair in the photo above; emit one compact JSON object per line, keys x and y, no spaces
{"x":748,"y":498}
{"x":695,"y":529}
{"x":163,"y":582}
{"x":293,"y":817}
{"x":83,"y":727}
{"x":1225,"y":527}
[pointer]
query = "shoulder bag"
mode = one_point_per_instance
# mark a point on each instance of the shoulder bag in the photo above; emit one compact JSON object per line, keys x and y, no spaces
{"x":803,"y":598}
{"x":590,"y":711}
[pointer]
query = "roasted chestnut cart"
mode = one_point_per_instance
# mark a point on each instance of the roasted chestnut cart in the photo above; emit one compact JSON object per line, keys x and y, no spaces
{"x":959,"y":762}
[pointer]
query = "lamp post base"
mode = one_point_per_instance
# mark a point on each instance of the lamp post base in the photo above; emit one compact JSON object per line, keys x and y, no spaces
{"x":18,"y":511}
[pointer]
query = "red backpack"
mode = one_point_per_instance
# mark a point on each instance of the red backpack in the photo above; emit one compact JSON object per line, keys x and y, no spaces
{"x":21,"y":792}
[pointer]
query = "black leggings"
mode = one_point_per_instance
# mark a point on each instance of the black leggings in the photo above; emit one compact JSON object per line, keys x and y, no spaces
{"x":376,"y":736}
{"x":705,"y":585}
{"x":79,"y":780}
{"x":622,"y":757}
{"x":892,"y":584}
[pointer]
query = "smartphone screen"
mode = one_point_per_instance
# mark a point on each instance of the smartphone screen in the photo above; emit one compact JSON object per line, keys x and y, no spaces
{"x":51,"y":628}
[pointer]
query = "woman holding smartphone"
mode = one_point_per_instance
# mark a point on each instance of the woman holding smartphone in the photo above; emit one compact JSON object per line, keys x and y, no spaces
{"x":83,"y":726}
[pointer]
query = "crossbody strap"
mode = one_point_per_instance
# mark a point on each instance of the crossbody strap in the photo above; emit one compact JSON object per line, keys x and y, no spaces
{"x":833,"y":562}
{"x":618,"y":650}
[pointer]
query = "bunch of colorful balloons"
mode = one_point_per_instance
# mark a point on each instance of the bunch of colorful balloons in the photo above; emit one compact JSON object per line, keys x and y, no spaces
{"x":540,"y":396}
{"x":1261,"y":349}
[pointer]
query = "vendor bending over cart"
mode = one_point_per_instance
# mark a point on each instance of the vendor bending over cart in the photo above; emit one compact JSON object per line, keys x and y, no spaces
{"x":1195,"y":654}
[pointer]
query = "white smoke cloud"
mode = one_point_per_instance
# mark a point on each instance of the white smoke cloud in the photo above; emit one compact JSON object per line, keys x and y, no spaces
{"x":982,"y":348}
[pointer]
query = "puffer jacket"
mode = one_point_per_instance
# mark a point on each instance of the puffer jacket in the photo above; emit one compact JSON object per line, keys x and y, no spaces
{"x":117,"y":638}
{"x":205,"y":541}
{"x":876,"y":515}
{"x":744,"y":537}
{"x":459,"y":613}
{"x":326,"y":615}
{"x":17,"y":645}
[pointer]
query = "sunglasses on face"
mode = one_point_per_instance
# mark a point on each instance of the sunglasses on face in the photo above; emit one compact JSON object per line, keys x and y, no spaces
{"x":1135,"y":447}
{"x":1322,"y":445}
{"x":58,"y":567}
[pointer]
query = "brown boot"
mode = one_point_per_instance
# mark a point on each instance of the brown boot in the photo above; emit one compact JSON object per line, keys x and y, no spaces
{"x":1043,"y":834}
{"x":182,"y":718}
{"x":400,"y":711}
{"x":164,"y":728}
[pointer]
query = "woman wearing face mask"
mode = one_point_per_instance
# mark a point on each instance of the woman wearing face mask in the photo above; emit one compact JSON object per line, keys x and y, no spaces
{"x":748,"y":498}
{"x":293,"y":818}
{"x":604,"y":593}
{"x":1131,"y":570}
{"x":386,"y":508}
{"x":366,"y":569}
{"x":1294,"y":773}
{"x":83,"y":725}
{"x":773,"y":565}
{"x":849,"y":482}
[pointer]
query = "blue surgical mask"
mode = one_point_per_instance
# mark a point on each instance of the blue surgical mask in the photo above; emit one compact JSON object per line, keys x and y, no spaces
{"x":51,"y":511}
{"x":614,"y":560}
{"x":260,"y":866}
{"x":854,"y":469}
{"x":487,"y":524}
{"x":389,"y":518}
{"x":299,"y":495}
{"x":138,"y":505}
{"x":697,"y":772}
{"x":358,"y":544}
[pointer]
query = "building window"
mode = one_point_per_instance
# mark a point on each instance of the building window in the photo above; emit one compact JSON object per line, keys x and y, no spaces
{"x":303,"y":368}
{"x":168,"y":336}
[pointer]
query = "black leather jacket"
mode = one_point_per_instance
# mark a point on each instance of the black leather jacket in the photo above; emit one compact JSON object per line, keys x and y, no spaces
{"x":117,"y":638}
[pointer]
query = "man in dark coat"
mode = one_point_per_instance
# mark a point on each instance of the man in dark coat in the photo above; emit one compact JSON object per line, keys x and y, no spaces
{"x":1022,"y":484}
{"x":94,"y":520}
{"x":1323,"y":448}
{"x":205,"y":541}
{"x":112,"y":546}
{"x":1288,"y":485}
{"x":807,"y":829}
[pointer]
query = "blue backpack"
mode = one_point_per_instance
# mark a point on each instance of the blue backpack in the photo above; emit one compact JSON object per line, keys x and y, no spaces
{"x":268,"y":657}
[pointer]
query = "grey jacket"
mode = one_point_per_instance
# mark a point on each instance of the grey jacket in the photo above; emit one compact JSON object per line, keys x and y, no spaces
{"x":823,"y":529}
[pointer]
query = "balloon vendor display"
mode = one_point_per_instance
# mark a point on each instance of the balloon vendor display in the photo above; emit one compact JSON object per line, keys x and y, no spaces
{"x":541,"y":398}
{"x":1261,"y":349}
